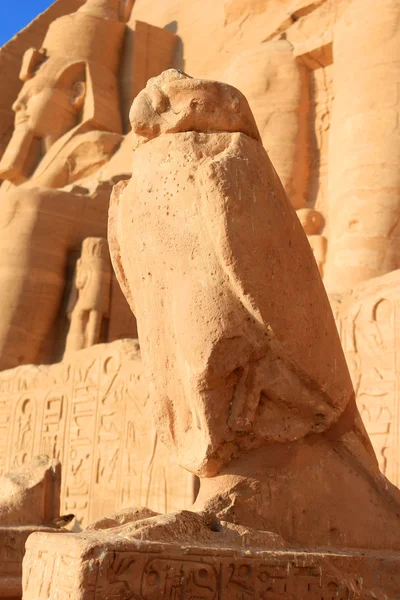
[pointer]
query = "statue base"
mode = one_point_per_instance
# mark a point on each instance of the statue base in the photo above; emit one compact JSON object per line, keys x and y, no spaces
{"x":98,"y":565}
{"x":12,"y":550}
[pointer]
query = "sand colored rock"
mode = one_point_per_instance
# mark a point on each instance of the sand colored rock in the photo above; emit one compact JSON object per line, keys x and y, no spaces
{"x":367,"y":318}
{"x":256,"y":376}
{"x":27,"y":243}
{"x":174,"y":103}
{"x":29,"y":502}
{"x":31,"y":495}
{"x":364,"y":184}
{"x":10,"y":61}
{"x":248,"y":28}
{"x":91,"y":412}
{"x":98,"y":568}
{"x":276,"y":85}
{"x":207,"y":166}
{"x":67,"y":126}
{"x":320,"y":78}
{"x":312,"y":222}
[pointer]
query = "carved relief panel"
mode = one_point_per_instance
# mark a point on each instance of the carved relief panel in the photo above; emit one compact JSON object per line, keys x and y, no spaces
{"x":369,"y":324}
{"x":203,"y":573}
{"x":91,"y":413}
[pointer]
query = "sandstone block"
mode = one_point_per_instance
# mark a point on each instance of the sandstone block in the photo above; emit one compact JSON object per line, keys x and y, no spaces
{"x":101,"y":567}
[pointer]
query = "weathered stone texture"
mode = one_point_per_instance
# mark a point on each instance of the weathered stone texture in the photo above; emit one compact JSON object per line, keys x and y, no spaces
{"x":98,"y":567}
{"x":56,"y":167}
{"x":29,"y":502}
{"x":248,"y":381}
{"x":368,"y":321}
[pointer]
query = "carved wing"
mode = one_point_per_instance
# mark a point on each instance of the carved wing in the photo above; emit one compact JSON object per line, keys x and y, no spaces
{"x":264,"y":252}
{"x":113,"y":233}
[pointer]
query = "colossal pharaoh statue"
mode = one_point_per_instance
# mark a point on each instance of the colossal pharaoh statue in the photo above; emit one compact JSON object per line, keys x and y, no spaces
{"x":67,"y":126}
{"x":330,"y":124}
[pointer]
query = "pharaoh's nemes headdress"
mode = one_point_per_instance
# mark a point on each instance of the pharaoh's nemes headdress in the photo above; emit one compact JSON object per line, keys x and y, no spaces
{"x":91,"y":37}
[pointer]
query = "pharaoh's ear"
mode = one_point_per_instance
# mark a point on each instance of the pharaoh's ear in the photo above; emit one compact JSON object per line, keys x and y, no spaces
{"x":78,"y":94}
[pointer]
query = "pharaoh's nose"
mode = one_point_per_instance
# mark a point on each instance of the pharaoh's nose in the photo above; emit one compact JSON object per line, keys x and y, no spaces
{"x":18,"y":105}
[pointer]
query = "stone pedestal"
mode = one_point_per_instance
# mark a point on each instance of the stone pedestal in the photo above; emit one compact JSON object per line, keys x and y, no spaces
{"x":105,"y":566}
{"x":12,"y":550}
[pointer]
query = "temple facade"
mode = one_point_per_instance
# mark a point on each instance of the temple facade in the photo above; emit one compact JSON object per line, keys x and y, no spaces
{"x":153,"y":359}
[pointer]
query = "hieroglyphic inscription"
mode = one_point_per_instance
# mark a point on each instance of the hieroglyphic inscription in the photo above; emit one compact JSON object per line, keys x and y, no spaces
{"x":54,"y":419}
{"x":92,"y":413}
{"x":163,"y":577}
{"x":12,"y":550}
{"x":81,"y":428}
{"x":368,"y":325}
{"x":5,"y":416}
{"x":49,"y":565}
{"x":207,"y":574}
{"x":109,"y":435}
{"x":23,"y":431}
{"x":239,"y":580}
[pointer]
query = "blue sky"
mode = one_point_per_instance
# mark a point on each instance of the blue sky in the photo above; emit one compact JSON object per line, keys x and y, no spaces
{"x":15,"y":14}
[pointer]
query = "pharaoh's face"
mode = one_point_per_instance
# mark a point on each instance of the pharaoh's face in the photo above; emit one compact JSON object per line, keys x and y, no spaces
{"x":41,"y":107}
{"x":47,"y":107}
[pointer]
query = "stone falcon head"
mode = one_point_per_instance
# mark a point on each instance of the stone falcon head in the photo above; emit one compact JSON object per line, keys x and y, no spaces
{"x":237,"y":334}
{"x":174,"y":102}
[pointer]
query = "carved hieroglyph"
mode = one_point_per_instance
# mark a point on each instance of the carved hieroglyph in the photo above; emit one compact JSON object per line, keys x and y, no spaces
{"x":368,"y":320}
{"x":67,"y":127}
{"x":248,"y":380}
{"x":91,"y":412}
{"x":97,"y":570}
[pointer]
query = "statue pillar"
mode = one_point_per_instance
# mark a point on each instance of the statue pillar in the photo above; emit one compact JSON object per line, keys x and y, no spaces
{"x":38,"y":227}
{"x":364,"y":154}
{"x":277,"y":88}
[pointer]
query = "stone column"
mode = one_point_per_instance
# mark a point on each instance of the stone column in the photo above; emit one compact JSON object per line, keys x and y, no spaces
{"x":276,"y":85}
{"x":364,"y":161}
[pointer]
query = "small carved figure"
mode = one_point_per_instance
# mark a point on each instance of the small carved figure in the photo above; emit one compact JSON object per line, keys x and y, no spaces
{"x":67,"y":125}
{"x":313,"y":222}
{"x":90,"y":298}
